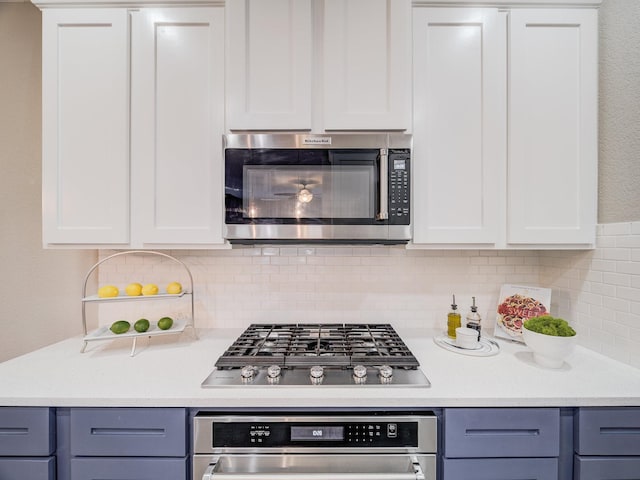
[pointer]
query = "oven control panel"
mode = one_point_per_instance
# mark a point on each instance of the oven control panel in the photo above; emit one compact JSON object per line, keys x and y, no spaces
{"x":343,"y":434}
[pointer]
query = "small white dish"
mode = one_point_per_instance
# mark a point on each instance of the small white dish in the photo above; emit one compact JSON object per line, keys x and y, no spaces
{"x":467,"y":338}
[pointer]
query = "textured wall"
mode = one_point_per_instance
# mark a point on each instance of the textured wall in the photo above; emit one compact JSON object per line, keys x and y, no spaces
{"x":40,"y":289}
{"x":619,"y":176}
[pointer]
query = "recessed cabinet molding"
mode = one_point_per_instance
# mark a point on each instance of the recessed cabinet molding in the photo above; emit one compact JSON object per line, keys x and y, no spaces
{"x":459,"y":124}
{"x":553,"y":131}
{"x":309,"y":65}
{"x":177,"y":120}
{"x":269,"y":66}
{"x":85,"y":132}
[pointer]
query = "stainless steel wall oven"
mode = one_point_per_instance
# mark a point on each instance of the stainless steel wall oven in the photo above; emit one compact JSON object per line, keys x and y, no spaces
{"x":347,"y":188}
{"x":375,"y":445}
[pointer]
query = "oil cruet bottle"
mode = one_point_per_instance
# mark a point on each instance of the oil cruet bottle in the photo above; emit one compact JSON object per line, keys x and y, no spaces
{"x":473,"y":318}
{"x":453,"y":319}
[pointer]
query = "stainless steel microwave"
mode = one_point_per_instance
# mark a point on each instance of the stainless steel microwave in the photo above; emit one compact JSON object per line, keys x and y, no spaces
{"x":304,"y":188}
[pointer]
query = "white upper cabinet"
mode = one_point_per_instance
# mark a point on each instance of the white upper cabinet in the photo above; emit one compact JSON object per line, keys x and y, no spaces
{"x":459,"y":81}
{"x":505,"y":127}
{"x":132,"y":156}
{"x":85,"y":133}
{"x":553,"y":138}
{"x":269,"y":64}
{"x":310,"y":65}
{"x":177,"y":121}
{"x":367,"y":64}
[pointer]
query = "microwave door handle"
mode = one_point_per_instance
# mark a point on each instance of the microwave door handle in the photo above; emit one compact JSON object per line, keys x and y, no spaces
{"x":383,"y":214}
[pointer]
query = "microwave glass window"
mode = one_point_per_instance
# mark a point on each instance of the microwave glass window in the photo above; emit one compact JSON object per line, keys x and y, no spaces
{"x":309,"y":191}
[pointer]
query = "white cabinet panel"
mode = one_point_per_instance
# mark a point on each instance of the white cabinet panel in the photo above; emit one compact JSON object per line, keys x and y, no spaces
{"x":269,"y":64}
{"x":85,"y":135}
{"x":459,"y":124}
{"x":177,"y":122}
{"x":552,"y":169}
{"x":367,"y":64}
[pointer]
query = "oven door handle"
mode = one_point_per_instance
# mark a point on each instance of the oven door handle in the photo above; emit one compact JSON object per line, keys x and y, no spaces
{"x":416,"y":474}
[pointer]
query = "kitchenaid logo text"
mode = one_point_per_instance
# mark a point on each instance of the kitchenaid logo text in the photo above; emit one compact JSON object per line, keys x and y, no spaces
{"x":316,"y":141}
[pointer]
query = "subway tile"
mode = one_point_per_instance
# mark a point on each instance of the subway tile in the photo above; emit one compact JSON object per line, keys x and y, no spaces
{"x":616,"y":228}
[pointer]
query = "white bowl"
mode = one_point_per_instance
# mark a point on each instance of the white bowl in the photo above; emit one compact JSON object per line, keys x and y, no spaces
{"x":548,"y":351}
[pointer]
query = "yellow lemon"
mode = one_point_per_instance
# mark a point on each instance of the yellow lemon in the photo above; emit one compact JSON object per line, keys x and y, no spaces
{"x":150,"y":289}
{"x":174,"y":288}
{"x":133,"y":289}
{"x":108,"y":291}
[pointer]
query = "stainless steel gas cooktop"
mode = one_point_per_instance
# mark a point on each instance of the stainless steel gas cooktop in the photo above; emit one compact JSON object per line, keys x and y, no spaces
{"x":318,"y":354}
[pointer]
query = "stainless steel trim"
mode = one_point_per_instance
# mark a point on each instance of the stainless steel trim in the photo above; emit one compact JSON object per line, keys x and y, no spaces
{"x":323,"y":141}
{"x":316,"y":467}
{"x":203,"y":433}
{"x":383,"y":214}
{"x":265,"y":233}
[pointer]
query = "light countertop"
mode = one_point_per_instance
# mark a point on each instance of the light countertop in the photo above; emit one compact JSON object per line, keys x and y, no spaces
{"x":168,"y":371}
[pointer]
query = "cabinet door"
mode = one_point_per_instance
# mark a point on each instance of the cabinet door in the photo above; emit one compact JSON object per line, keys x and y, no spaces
{"x":85,"y":133}
{"x":177,"y":110}
{"x":367,"y":64}
{"x":120,"y":432}
{"x":500,"y":469}
{"x":27,"y":431}
{"x":606,"y":468}
{"x":459,"y":90}
{"x":552,"y":169}
{"x":31,"y":468}
{"x":501,"y":432}
{"x":129,"y":468}
{"x":269,"y":65}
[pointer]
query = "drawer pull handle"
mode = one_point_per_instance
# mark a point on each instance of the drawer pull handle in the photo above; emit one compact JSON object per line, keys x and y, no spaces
{"x":128,"y":431}
{"x":503,"y":432}
{"x":619,"y":431}
{"x":14,"y":431}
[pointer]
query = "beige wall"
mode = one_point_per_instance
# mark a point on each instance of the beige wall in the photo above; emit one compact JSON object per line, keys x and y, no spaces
{"x":619,"y":177}
{"x":40,"y":289}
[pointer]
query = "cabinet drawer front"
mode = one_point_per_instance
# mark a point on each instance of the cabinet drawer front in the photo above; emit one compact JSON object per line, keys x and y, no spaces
{"x":128,"y":432}
{"x":27,"y":431}
{"x":13,"y":468}
{"x":500,"y":469}
{"x":606,"y":468}
{"x":501,"y":432}
{"x":129,"y":468}
{"x":607,"y":431}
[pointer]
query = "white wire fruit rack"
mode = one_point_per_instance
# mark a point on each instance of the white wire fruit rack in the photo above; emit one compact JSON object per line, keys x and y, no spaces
{"x":104,"y":333}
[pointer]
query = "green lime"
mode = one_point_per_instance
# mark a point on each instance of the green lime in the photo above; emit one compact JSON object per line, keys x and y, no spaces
{"x":141,"y":325}
{"x":121,"y":326}
{"x":165,"y":323}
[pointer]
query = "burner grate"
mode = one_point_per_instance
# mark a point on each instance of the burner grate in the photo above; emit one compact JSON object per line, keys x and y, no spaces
{"x":303,"y":345}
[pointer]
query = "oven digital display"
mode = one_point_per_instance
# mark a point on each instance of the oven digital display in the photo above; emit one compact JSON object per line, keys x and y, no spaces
{"x":317,"y":433}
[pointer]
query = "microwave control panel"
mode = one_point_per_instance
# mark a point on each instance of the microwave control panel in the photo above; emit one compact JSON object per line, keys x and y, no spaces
{"x":399,"y":183}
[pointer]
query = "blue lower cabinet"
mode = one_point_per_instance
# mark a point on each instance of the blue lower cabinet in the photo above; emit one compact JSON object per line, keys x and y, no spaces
{"x":26,"y":468}
{"x":129,"y":468}
{"x":500,"y":469}
{"x":27,"y":431}
{"x":608,"y":431}
{"x":606,"y":468}
{"x":128,"y":432}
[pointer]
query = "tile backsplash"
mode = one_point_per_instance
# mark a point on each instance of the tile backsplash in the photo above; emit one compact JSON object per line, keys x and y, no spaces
{"x":598,"y":291}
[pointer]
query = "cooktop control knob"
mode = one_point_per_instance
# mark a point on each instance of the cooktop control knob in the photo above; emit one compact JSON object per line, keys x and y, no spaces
{"x":316,"y":374}
{"x":273,"y":371}
{"x":386,"y":373}
{"x":360,"y":373}
{"x":247,"y":372}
